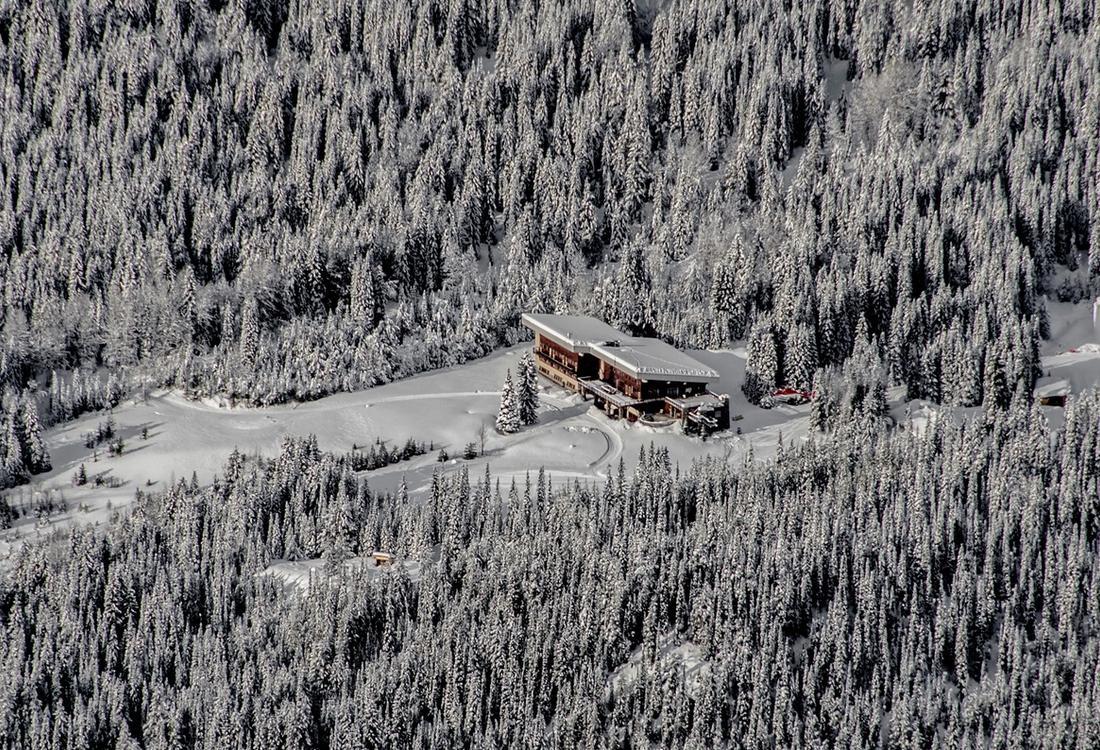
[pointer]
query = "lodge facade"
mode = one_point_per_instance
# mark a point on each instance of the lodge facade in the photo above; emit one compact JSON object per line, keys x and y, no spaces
{"x":629,"y":377}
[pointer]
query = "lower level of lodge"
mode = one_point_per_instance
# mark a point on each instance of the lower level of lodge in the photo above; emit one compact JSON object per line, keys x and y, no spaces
{"x":695,"y":407}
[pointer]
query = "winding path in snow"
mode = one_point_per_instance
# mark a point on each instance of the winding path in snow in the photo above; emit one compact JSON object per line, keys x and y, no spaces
{"x":614,"y":447}
{"x":614,"y":444}
{"x":613,"y":441}
{"x":426,"y":396}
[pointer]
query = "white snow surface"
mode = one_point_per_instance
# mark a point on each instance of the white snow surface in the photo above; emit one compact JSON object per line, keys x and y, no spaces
{"x":449,"y":407}
{"x":300,"y":575}
{"x":572,"y":439}
{"x":1071,"y":357}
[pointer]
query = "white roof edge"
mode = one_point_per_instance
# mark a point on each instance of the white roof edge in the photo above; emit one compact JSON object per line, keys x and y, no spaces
{"x":546,"y":330}
{"x":705,"y":375}
{"x":699,"y":373}
{"x":580,"y":340}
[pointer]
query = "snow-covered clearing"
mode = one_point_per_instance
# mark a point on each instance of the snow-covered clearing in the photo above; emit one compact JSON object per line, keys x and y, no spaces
{"x":673,"y":655}
{"x":448,"y":408}
{"x":299,"y":575}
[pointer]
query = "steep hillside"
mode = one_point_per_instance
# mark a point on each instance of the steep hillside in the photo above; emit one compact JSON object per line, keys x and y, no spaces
{"x":280,"y":200}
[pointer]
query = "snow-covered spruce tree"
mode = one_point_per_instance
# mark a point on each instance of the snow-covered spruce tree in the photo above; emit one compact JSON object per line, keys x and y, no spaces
{"x":12,"y":458}
{"x":761,"y":361}
{"x":723,"y":300}
{"x":820,"y":403}
{"x":633,"y":287}
{"x":508,"y":416}
{"x":249,"y":342}
{"x":995,"y":392}
{"x":527,"y":391}
{"x":800,"y":356}
{"x":364,"y":307}
{"x":36,"y":456}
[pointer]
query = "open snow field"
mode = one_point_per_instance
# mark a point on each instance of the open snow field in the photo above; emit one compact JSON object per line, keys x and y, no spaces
{"x":448,"y":408}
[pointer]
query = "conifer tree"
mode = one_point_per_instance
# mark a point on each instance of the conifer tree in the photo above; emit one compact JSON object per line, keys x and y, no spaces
{"x":37,"y":458}
{"x":799,"y":357}
{"x":633,"y":287}
{"x":14,"y":463}
{"x":996,"y":394}
{"x":363,"y":304}
{"x":508,"y":416}
{"x":819,"y":405}
{"x":761,"y":361}
{"x":250,"y":332}
{"x":527,"y":389}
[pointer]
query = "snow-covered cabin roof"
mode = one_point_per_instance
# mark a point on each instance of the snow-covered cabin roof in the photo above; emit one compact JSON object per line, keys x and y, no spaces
{"x":644,"y":358}
{"x":574,"y":331}
{"x":1056,"y":388}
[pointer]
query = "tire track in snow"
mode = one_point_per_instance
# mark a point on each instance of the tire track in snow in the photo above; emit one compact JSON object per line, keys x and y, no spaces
{"x":614,"y":447}
{"x":614,"y":444}
{"x":425,"y":396}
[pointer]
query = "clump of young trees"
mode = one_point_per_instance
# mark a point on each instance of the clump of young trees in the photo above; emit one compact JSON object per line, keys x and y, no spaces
{"x":378,"y":454}
{"x":852,"y":397}
{"x":519,"y":399}
{"x":22,"y":448}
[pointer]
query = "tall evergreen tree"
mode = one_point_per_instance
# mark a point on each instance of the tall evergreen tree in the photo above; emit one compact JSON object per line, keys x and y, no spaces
{"x":250,"y":332}
{"x":527,"y":393}
{"x":37,"y":458}
{"x":13,"y":460}
{"x":508,"y":416}
{"x":761,"y":361}
{"x":363,"y":302}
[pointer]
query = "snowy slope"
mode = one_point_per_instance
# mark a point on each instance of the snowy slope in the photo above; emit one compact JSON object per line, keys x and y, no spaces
{"x":450,"y":408}
{"x":447,"y":407}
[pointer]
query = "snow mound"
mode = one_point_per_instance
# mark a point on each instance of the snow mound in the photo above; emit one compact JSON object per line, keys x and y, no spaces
{"x":674,"y":655}
{"x":299,"y":575}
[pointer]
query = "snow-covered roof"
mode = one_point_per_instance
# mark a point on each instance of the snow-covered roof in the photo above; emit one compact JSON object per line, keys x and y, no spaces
{"x":648,"y":358}
{"x":1056,"y":388}
{"x":644,"y":358}
{"x":693,"y":402}
{"x":575,"y":331}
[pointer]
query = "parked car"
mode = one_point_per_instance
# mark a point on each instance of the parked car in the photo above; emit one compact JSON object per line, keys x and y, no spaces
{"x":786,"y":395}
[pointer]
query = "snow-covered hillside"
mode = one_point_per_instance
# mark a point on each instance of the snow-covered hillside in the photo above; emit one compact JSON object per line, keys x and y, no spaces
{"x":446,"y":408}
{"x":449,"y":408}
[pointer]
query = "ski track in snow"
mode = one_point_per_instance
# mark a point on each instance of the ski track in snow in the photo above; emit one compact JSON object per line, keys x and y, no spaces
{"x":426,"y":396}
{"x":614,"y":444}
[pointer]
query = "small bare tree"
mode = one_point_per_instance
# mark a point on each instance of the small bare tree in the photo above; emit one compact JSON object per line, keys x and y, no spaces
{"x":481,"y":432}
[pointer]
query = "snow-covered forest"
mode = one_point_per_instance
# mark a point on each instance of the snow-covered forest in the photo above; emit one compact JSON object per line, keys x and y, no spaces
{"x":932,"y":588}
{"x":265,"y":202}
{"x":279,"y":200}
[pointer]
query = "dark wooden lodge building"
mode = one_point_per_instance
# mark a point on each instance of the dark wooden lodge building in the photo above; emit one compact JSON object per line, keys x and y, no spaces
{"x":629,"y":377}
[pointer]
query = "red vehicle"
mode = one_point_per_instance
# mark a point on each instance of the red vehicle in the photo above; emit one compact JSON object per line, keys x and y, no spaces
{"x":786,"y":395}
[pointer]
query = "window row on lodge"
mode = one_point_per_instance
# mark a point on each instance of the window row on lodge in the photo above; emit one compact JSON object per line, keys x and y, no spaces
{"x":629,"y":377}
